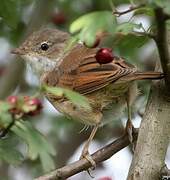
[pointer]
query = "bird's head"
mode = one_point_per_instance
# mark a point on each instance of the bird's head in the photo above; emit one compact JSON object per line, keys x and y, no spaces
{"x":43,"y":49}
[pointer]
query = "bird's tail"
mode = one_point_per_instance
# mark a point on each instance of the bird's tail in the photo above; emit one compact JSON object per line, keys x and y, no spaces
{"x":144,"y":75}
{"x":148,"y":75}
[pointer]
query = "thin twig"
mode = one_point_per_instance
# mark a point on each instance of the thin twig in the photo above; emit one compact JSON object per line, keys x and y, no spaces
{"x":148,"y":34}
{"x":132,"y":8}
{"x":5,"y":131}
{"x":82,"y":164}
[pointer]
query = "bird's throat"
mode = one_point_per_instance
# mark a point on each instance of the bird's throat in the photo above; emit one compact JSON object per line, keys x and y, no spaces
{"x":40,"y":64}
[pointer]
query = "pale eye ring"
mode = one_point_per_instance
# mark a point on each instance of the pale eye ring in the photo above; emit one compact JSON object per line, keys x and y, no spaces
{"x":44,"y":46}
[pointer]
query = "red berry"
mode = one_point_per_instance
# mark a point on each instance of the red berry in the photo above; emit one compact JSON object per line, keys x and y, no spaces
{"x":12,"y":99}
{"x":37,"y":104}
{"x":105,"y":178}
{"x":58,"y":18}
{"x":104,"y":55}
{"x":34,"y":101}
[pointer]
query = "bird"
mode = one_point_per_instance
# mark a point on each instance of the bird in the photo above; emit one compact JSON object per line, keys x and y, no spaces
{"x":109,"y":87}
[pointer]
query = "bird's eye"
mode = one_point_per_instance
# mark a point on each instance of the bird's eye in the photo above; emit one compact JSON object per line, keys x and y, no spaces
{"x":44,"y":46}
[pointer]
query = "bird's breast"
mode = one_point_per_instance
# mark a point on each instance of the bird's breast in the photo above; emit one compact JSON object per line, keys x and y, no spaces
{"x":107,"y":103}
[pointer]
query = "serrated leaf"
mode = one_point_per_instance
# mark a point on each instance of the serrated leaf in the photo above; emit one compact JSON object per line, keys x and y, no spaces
{"x":53,"y":90}
{"x":77,"y":99}
{"x":145,"y":10}
{"x":5,"y":116}
{"x":8,"y":152}
{"x":9,"y":12}
{"x":73,"y":96}
{"x":47,"y":161}
{"x":5,"y":119}
{"x":88,"y":25}
{"x":165,"y":4}
{"x":129,"y":44}
{"x":4,"y":106}
{"x":37,"y":144}
{"x":126,"y":28}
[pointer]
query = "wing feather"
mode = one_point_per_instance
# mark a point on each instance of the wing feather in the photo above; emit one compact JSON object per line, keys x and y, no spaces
{"x":81,"y":72}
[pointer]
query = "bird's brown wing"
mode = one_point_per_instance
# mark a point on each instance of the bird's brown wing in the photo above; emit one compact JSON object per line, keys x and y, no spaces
{"x":81,"y":72}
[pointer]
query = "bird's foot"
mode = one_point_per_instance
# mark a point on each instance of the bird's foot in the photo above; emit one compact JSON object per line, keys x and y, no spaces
{"x":88,"y":157}
{"x":85,"y":154}
{"x":130,"y":132}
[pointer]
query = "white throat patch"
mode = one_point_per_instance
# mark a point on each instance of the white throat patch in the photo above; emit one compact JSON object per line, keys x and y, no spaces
{"x":40,"y":64}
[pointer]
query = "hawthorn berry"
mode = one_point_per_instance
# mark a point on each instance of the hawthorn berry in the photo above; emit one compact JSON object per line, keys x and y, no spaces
{"x":12,"y":99}
{"x":34,"y":101}
{"x":36,"y":104}
{"x":58,"y":18}
{"x":105,"y":178}
{"x":104,"y":56}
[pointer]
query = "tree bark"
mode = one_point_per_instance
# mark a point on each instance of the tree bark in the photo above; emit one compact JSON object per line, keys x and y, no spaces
{"x":153,"y":137}
{"x":154,"y":134}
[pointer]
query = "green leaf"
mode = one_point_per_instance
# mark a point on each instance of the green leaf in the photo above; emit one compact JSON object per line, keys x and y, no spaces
{"x":9,"y":12}
{"x":4,"y":106}
{"x":73,"y":96}
{"x":145,"y":10}
{"x":38,"y":146}
{"x":53,"y":90}
{"x":5,"y":119}
{"x":165,"y":4}
{"x":8,"y":152}
{"x":5,"y":116}
{"x":129,"y":44}
{"x":88,"y":25}
{"x":77,"y":99}
{"x":126,"y":28}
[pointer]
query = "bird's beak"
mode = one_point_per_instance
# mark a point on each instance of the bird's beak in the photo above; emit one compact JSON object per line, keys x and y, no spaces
{"x":17,"y":51}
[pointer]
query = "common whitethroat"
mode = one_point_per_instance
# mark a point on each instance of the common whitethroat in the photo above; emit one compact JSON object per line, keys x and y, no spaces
{"x":109,"y":87}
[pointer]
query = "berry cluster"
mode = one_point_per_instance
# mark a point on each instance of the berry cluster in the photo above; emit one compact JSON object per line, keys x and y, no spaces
{"x":24,"y":106}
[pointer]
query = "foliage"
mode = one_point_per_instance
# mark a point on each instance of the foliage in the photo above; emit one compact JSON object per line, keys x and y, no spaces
{"x":9,"y":152}
{"x":87,"y":19}
{"x":38,"y":146}
{"x":87,"y":27}
{"x":74,"y":97}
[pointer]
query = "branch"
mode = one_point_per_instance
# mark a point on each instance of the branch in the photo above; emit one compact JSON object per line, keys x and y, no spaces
{"x":5,"y":131}
{"x":153,"y":138}
{"x":132,"y":8}
{"x":81,"y":165}
{"x":162,"y":44}
{"x":148,"y":34}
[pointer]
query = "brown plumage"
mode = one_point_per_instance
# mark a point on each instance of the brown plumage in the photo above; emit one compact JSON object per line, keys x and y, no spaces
{"x":103,"y":84}
{"x":81,"y":72}
{"x":109,"y":87}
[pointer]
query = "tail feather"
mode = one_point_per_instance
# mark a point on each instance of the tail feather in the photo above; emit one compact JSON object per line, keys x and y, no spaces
{"x":148,"y":75}
{"x":143,"y":75}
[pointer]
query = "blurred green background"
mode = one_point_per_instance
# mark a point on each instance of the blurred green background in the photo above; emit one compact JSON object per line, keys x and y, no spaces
{"x":26,"y":153}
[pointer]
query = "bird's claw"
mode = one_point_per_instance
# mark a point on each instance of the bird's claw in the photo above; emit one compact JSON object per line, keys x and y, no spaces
{"x":88,"y":157}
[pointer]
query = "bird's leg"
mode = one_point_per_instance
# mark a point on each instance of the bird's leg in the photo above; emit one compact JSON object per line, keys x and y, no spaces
{"x":129,"y":125}
{"x":85,"y":153}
